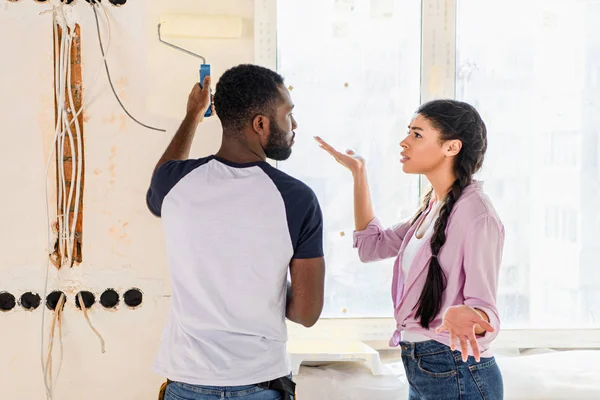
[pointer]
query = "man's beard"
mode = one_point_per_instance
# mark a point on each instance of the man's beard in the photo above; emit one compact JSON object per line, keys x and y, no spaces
{"x":278,"y":148}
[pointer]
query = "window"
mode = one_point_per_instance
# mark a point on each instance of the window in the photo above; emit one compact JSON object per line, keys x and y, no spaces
{"x":355,"y":74}
{"x":562,"y":149}
{"x":536,"y":87}
{"x":533,"y":75}
{"x":561,"y":224}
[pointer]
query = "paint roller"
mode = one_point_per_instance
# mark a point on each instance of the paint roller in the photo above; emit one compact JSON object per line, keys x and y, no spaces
{"x":206,"y":27}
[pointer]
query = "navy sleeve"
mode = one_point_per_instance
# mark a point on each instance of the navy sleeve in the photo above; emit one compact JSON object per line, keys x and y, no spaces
{"x":165,"y":178}
{"x":304,"y":217}
{"x":310,"y":235}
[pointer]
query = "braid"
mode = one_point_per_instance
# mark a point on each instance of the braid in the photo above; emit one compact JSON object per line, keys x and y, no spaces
{"x":430,"y":301}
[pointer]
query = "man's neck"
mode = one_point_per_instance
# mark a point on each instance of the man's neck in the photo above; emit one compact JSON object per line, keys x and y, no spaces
{"x":238,"y":152}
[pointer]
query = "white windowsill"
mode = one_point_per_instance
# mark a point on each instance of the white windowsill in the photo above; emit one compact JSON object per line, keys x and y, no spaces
{"x":376,"y":333}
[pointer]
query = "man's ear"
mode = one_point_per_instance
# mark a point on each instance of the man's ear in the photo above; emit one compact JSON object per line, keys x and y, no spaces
{"x":260,"y":124}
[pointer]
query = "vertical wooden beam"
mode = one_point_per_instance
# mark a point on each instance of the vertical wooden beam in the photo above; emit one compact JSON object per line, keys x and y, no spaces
{"x":69,"y":162}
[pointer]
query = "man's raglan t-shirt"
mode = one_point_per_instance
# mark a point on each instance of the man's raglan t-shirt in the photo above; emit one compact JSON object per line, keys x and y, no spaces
{"x":231,"y":232}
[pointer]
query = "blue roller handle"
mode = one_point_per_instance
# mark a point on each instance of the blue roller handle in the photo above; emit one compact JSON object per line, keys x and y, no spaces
{"x":205,"y":71}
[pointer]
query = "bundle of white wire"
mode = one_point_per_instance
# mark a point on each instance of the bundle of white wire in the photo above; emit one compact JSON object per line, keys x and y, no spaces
{"x":66,"y":226}
{"x":68,"y":195}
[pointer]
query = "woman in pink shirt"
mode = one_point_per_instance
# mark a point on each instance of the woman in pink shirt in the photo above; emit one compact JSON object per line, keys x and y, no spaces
{"x":447,"y":256}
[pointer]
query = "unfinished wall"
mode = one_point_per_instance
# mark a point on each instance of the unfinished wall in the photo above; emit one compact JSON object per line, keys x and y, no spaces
{"x":123,"y":243}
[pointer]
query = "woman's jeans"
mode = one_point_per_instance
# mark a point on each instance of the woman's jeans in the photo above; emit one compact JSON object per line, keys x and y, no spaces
{"x":435,"y":372}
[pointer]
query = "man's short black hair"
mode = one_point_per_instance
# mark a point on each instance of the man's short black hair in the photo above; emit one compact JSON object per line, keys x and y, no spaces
{"x":245,"y":91}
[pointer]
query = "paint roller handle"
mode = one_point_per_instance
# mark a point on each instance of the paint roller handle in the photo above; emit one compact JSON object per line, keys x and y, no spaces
{"x":204,"y":72}
{"x":199,"y":101}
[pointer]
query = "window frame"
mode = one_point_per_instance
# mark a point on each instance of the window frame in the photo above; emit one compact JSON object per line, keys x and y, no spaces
{"x":438,"y":79}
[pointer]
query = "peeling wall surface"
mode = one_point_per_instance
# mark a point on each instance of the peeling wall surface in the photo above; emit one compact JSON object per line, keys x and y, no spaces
{"x":123,"y":242}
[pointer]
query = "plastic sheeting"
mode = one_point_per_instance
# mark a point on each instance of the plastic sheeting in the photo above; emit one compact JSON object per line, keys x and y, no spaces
{"x":351,"y":381}
{"x":565,"y":375}
{"x":551,"y":375}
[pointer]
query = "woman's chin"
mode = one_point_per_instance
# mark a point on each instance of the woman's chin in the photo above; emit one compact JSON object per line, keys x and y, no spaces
{"x":406,"y":169}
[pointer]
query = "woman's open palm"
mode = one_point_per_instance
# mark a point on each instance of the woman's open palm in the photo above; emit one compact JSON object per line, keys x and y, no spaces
{"x":349,"y":159}
{"x":460,"y":321}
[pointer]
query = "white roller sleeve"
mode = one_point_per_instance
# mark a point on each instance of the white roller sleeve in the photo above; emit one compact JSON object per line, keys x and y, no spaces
{"x":201,"y":26}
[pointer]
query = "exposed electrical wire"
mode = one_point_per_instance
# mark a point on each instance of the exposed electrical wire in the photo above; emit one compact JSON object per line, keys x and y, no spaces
{"x":76,"y":174}
{"x":62,"y":55}
{"x":110,"y":79}
{"x":65,"y":226}
{"x":87,"y":318}
{"x":67,"y":194}
{"x":91,"y":99}
{"x":57,"y":19}
{"x":57,"y":319}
